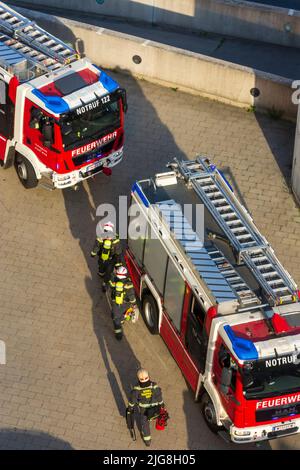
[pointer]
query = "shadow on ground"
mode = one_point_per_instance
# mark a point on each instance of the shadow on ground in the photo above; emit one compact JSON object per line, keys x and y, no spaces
{"x":280,"y":137}
{"x":22,"y":439}
{"x":119,"y":358}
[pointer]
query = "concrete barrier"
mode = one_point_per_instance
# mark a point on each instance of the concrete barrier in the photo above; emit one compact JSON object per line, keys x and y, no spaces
{"x":237,"y":18}
{"x":187,"y":71}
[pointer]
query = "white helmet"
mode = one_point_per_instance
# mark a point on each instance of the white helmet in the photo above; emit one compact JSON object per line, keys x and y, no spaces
{"x":121,"y":272}
{"x":108,"y":227}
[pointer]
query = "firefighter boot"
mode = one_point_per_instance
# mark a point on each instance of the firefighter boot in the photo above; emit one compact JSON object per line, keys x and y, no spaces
{"x":119,"y":335}
{"x":147,"y":441}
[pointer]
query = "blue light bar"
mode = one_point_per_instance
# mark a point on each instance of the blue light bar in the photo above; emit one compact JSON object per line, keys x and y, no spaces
{"x":244,"y":348}
{"x":56,"y":104}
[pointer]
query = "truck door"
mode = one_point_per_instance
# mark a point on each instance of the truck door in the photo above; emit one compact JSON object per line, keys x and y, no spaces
{"x":6,"y":119}
{"x":39,"y":134}
{"x":194,"y":337}
{"x":225,"y":371}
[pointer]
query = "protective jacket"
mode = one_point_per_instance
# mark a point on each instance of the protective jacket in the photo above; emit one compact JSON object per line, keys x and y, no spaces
{"x":146,"y":397}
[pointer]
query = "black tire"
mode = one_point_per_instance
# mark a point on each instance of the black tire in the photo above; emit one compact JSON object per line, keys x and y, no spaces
{"x":150,"y":313}
{"x":25,"y":172}
{"x":209,"y":413}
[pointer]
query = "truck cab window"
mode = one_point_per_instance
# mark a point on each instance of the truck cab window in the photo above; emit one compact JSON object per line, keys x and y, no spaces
{"x":44,"y":124}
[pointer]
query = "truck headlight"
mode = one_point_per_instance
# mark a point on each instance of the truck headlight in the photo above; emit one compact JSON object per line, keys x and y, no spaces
{"x":240,"y":432}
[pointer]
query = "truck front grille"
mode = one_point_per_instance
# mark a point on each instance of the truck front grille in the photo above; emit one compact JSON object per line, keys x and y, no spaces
{"x":86,"y":157}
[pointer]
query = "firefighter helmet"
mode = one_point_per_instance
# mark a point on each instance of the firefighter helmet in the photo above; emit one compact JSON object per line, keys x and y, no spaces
{"x":121,"y":272}
{"x":108,"y":227}
{"x":142,"y":375}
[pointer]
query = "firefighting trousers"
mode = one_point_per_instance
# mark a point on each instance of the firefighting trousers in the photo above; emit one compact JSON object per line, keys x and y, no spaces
{"x":105,"y":269}
{"x":145,"y":426}
{"x":118,"y":316}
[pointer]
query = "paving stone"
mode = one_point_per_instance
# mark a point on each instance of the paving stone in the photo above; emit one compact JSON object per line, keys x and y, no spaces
{"x":66,"y":379}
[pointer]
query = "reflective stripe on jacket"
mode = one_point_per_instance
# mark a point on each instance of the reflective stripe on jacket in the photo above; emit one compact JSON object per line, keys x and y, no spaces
{"x":146,"y":397}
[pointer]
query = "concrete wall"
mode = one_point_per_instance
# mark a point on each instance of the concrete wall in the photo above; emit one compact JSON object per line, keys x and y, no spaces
{"x":229,"y":17}
{"x":196,"y":73}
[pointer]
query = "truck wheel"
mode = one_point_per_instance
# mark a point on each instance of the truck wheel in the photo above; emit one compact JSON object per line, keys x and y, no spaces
{"x":150,"y":313}
{"x":25,"y":172}
{"x":209,"y":414}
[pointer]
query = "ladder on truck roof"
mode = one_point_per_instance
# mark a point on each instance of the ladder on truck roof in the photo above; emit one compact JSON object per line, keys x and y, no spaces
{"x":250,"y":246}
{"x":32,"y":42}
{"x":219,"y":275}
{"x":192,"y":246}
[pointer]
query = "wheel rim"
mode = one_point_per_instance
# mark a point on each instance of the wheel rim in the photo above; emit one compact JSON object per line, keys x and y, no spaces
{"x":149,"y":314}
{"x":22,"y":171}
{"x":210,"y":414}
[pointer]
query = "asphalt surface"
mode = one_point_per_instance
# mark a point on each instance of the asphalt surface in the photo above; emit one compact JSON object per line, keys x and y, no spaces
{"x":67,"y":379}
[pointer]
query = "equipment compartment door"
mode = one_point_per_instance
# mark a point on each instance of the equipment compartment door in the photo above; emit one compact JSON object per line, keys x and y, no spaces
{"x":194,"y":338}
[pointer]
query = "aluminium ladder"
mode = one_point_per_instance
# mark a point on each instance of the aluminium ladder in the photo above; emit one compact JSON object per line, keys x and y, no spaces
{"x":33,"y":42}
{"x":205,"y":266}
{"x":251,"y":247}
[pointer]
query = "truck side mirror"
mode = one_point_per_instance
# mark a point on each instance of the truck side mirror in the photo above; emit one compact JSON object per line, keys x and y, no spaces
{"x":226,"y":377}
{"x":124,"y":100}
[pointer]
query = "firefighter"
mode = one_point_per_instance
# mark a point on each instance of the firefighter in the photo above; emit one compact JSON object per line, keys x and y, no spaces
{"x":147,"y":396}
{"x":109,"y":251}
{"x":122,"y":297}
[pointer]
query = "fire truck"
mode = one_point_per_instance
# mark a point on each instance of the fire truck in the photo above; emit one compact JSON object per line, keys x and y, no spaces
{"x":221,"y":300}
{"x":61,"y":117}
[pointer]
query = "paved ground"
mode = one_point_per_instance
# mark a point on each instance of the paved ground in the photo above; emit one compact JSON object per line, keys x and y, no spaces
{"x":279,"y":60}
{"x":66,"y":378}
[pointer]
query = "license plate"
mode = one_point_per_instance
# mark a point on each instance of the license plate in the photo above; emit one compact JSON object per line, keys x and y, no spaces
{"x":92,"y":166}
{"x":283,"y":427}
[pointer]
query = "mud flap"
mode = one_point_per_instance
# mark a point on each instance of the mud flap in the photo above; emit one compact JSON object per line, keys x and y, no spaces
{"x":10,"y":157}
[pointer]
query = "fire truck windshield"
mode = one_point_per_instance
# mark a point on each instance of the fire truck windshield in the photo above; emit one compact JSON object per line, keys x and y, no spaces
{"x":79,"y":128}
{"x":272,"y":377}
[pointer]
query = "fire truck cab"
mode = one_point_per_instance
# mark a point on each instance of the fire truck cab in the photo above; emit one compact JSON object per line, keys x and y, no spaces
{"x":210,"y":284}
{"x":61,"y":117}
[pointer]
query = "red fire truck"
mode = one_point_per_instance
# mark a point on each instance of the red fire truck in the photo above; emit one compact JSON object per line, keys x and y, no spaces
{"x":223,"y":303}
{"x":61,"y":117}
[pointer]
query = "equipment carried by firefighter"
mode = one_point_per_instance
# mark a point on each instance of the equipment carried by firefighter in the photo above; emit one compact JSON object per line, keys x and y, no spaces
{"x":130,"y":423}
{"x":50,"y":101}
{"x":213,"y":288}
{"x":162,"y":419}
{"x":132,"y":314}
